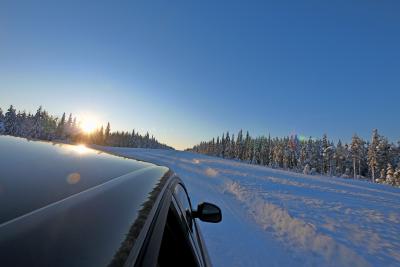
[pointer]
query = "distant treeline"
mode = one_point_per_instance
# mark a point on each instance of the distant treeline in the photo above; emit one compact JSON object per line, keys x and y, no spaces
{"x":376,"y":160}
{"x":44,"y":126}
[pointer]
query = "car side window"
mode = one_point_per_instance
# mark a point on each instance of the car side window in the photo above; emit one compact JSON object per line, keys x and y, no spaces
{"x":181,"y":196}
{"x":176,"y":249}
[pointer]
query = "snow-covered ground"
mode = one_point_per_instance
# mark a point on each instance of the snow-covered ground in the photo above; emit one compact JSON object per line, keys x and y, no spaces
{"x":278,"y":218}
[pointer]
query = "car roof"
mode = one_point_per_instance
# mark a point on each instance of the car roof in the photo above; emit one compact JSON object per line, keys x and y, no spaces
{"x":35,"y":173}
{"x":97,"y":224}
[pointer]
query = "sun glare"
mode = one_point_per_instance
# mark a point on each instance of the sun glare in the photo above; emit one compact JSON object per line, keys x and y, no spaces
{"x":80,"y":149}
{"x":88,"y":125}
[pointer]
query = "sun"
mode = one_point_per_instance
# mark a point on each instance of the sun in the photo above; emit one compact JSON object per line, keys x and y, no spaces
{"x":88,"y":125}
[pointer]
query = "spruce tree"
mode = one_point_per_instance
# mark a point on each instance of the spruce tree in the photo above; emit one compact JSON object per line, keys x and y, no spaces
{"x":396,"y":176}
{"x":232,"y":147}
{"x":107,"y":134}
{"x":247,"y":148}
{"x":324,"y":147}
{"x":239,"y":145}
{"x":60,"y":127}
{"x":339,"y":157}
{"x":373,"y":153}
{"x":383,"y":152}
{"x":10,"y":121}
{"x":356,"y":148}
{"x":223,"y":145}
{"x":390,"y":174}
{"x":227,"y":146}
{"x":2,"y":127}
{"x":218,"y":147}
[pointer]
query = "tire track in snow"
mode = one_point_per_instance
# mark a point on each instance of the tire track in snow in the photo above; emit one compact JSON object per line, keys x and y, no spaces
{"x":292,"y":231}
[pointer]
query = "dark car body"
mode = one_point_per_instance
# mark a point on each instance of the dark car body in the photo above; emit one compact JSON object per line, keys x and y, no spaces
{"x":64,"y":205}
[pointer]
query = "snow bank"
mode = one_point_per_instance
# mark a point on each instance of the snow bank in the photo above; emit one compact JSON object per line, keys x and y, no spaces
{"x":294,"y":231}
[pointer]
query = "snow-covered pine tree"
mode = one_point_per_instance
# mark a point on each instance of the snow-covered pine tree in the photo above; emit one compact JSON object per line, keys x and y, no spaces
{"x":316,"y":156}
{"x":303,"y":155}
{"x":49,"y":126}
{"x":132,"y":141}
{"x":264,"y":151}
{"x":18,"y":122}
{"x":382,"y":176}
{"x":390,"y":174}
{"x":396,"y":176}
{"x":383,"y":152}
{"x":10,"y":121}
{"x":293,"y":152}
{"x":257,"y":145}
{"x":324,"y":147}
{"x":397,"y":155}
{"x":328,"y":154}
{"x":223,"y":145}
{"x":348,"y":160}
{"x":215,"y":147}
{"x":339,"y":157}
{"x":308,"y":152}
{"x":278,"y":153}
{"x":248,"y":151}
{"x":356,"y":148}
{"x":107,"y":134}
{"x":268,"y":153}
{"x":227,"y":152}
{"x":362,"y":161}
{"x":24,"y":126}
{"x":232,"y":147}
{"x":2,"y":127}
{"x":239,"y":146}
{"x":218,"y":147}
{"x":61,"y":127}
{"x":286,"y":153}
{"x":373,"y":154}
{"x":68,"y":127}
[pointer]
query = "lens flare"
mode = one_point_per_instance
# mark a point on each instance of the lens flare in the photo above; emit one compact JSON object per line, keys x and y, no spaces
{"x":88,"y":126}
{"x":73,"y":178}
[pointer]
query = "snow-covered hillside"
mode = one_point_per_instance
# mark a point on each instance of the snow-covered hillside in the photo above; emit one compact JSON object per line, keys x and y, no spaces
{"x":279,"y":218}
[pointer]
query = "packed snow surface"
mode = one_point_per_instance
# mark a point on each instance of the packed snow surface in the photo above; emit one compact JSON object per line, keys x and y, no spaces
{"x":278,"y":218}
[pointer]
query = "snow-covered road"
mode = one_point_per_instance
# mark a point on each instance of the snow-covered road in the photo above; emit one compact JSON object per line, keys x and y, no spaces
{"x":279,"y":218}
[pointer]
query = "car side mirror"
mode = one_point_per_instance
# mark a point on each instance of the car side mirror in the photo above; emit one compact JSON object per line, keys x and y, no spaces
{"x":208,"y":212}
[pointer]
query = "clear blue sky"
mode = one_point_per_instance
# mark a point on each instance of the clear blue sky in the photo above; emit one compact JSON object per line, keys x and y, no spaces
{"x":189,"y":70}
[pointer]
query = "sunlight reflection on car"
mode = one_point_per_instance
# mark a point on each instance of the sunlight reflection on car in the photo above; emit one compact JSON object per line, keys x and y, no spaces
{"x":80,"y":149}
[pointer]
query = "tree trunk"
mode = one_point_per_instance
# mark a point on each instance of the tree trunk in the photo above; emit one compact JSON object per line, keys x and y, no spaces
{"x":373,"y":174}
